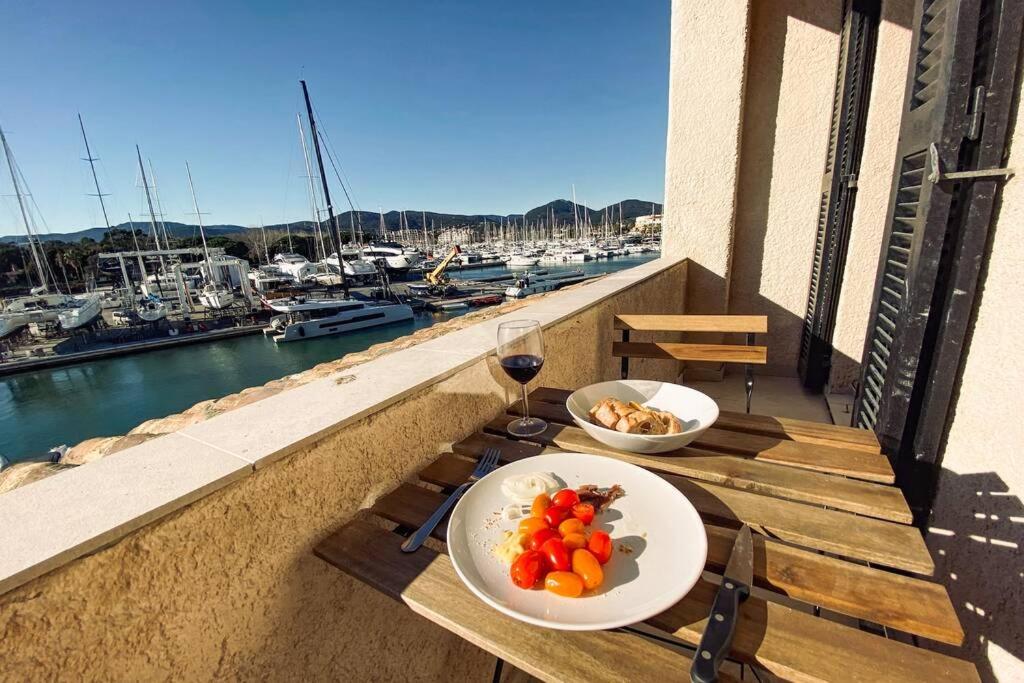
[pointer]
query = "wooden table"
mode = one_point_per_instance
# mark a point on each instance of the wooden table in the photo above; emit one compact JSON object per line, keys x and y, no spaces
{"x":842,"y":576}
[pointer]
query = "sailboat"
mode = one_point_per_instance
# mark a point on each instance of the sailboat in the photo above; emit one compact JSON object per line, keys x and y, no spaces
{"x":215,"y":294}
{"x":40,"y":306}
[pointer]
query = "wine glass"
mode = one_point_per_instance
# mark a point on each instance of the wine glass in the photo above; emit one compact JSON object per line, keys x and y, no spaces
{"x":521,"y":354}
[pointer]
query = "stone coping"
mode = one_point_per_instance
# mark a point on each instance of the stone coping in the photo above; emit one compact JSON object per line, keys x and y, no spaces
{"x":50,"y":522}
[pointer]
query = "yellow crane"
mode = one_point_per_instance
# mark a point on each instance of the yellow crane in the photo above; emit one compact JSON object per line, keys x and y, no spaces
{"x":436,"y":279}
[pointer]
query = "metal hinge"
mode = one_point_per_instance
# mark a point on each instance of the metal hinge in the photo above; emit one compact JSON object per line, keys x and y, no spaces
{"x":851,"y":181}
{"x":936,"y":174}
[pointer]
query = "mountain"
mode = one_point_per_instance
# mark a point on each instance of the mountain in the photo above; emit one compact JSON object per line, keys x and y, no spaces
{"x":562,"y":210}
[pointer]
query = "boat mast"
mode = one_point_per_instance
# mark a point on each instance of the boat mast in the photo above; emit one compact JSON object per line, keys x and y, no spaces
{"x":312,"y":192}
{"x":24,"y":213}
{"x":199,"y":219}
{"x":426,"y":235}
{"x":92,"y":166}
{"x":159,"y":205}
{"x":149,"y":199}
{"x":323,"y":177}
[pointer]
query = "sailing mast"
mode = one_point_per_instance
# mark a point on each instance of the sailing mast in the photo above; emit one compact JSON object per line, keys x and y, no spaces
{"x":323,"y":181}
{"x":24,"y":215}
{"x":149,"y":199}
{"x":199,"y":219}
{"x":92,"y":166}
{"x":312,"y":192}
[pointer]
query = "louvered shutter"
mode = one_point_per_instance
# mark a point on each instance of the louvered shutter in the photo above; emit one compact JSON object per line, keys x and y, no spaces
{"x":838,"y":188}
{"x":932,"y":133}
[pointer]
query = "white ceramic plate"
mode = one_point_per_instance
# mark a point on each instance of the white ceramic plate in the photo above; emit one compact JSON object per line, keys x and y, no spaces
{"x":695,"y":410}
{"x":654,"y":520}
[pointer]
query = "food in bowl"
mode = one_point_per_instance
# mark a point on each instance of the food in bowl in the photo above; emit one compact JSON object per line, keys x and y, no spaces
{"x":633,"y":418}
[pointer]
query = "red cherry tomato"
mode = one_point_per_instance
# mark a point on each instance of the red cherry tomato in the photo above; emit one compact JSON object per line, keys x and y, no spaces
{"x":600,"y":546}
{"x":583,"y":512}
{"x":556,"y":554}
{"x":555,"y":515}
{"x":538,"y":539}
{"x":566,"y":584}
{"x":528,"y":569}
{"x":565,"y":498}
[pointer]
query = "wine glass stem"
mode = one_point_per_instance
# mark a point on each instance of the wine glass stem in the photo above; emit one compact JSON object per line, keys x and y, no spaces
{"x":526,"y":407}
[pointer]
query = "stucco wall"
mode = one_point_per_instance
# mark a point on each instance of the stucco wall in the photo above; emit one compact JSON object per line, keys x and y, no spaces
{"x":750,"y":101}
{"x":874,"y":184}
{"x":791,"y":67}
{"x":977,"y":530}
{"x":228,"y":587}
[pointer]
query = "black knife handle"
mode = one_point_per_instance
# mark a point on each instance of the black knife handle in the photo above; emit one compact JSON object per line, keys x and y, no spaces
{"x":717,"y":638}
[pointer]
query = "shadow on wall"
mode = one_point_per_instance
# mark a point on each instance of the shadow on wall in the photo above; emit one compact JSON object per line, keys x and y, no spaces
{"x":981,"y":535}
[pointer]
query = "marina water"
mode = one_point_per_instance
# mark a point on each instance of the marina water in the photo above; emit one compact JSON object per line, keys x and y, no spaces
{"x":66,"y":405}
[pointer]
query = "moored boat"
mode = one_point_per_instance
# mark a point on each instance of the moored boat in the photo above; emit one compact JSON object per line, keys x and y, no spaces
{"x":300,"y":318}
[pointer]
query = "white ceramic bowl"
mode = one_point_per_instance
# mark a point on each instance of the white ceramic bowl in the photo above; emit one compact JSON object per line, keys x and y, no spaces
{"x":695,"y":410}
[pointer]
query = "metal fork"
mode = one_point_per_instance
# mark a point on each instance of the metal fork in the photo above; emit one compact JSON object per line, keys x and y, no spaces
{"x":483,"y":467}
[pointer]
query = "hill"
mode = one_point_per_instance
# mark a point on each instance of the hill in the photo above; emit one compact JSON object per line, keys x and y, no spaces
{"x":561,"y":209}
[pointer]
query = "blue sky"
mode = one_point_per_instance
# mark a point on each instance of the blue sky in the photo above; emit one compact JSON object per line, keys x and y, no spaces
{"x":465,"y":107}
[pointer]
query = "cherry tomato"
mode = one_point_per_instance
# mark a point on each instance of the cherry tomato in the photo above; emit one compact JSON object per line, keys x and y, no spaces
{"x":528,"y":569}
{"x":600,"y":545}
{"x":586,"y":566}
{"x":540,"y":504}
{"x":538,"y":539}
{"x":583,"y":512}
{"x":532,"y":525}
{"x":570,"y":526}
{"x":565,"y":498}
{"x":555,"y":514}
{"x":566,"y":584}
{"x":557,"y":555}
{"x":574,"y":541}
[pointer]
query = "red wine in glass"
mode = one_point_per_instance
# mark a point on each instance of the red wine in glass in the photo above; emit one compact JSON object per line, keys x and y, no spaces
{"x":522,"y":367}
{"x":521,"y":354}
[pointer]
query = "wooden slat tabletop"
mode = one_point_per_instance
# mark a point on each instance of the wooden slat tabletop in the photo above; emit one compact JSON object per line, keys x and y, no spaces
{"x":799,"y":512}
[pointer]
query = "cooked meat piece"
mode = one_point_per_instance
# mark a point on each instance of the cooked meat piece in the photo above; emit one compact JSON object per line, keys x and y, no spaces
{"x":600,"y":498}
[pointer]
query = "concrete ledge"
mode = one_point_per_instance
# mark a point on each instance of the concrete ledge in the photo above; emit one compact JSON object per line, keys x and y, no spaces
{"x":49,"y":523}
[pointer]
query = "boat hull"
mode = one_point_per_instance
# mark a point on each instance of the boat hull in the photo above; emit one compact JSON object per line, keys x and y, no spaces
{"x":346,"y":321}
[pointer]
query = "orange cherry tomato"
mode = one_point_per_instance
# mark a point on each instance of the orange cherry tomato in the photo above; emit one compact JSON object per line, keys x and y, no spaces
{"x":532,"y":525}
{"x":571,"y":526}
{"x":600,"y":546}
{"x":574,"y":541}
{"x":565,"y":498}
{"x":555,"y":515}
{"x":539,"y":538}
{"x":586,"y":566}
{"x":540,"y":504}
{"x":528,"y":569}
{"x":583,"y":512}
{"x":566,"y":584}
{"x":557,"y":555}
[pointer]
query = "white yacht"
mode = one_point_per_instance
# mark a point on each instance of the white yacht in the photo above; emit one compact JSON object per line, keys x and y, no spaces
{"x":295,"y":266}
{"x":529,"y":283}
{"x":269,"y":278}
{"x":395,"y":257}
{"x":302,"y":318}
{"x":83,"y":311}
{"x":354,"y":266}
{"x":151,"y":309}
{"x":216,"y":295}
{"x":38,"y":307}
{"x":523,"y":260}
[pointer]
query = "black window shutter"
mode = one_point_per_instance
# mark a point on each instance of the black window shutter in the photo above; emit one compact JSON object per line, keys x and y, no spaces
{"x":956,"y":115}
{"x":838,"y":187}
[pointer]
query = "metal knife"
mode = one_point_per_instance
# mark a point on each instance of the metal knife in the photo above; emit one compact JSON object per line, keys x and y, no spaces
{"x":717,"y":638}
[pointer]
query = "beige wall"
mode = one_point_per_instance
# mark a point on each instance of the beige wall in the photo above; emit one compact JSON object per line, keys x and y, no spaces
{"x":874,"y":183}
{"x":791,"y":71}
{"x":743,"y":207}
{"x":977,"y":529}
{"x":228,"y":586}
